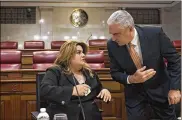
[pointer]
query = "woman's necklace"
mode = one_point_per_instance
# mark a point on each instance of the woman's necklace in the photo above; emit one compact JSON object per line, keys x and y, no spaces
{"x":80,"y":78}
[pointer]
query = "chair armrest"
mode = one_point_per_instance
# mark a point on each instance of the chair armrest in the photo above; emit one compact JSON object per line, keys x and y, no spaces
{"x":97,"y":101}
{"x":101,"y":110}
{"x":34,"y":115}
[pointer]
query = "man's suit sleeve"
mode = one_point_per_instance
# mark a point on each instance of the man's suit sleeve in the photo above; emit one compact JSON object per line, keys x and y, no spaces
{"x":173,"y":58}
{"x":117,"y":73}
{"x":51,"y":91}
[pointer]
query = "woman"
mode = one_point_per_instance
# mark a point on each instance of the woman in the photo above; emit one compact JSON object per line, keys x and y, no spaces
{"x":71,"y":79}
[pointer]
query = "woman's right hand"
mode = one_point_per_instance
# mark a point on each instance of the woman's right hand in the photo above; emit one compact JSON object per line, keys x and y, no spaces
{"x":82,"y":89}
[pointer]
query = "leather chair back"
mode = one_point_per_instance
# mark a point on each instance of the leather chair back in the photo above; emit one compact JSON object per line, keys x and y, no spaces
{"x":9,"y":45}
{"x":177,"y":43}
{"x":34,"y":45}
{"x":98,"y":42}
{"x":57,"y":44}
{"x":44,"y":59}
{"x":95,"y":58}
{"x":40,"y":103}
{"x":10,"y":59}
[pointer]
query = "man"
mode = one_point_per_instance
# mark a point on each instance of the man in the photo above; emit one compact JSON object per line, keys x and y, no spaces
{"x":137,"y":61}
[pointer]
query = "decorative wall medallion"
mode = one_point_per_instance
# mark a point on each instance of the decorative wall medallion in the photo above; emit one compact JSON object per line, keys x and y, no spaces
{"x":79,"y":18}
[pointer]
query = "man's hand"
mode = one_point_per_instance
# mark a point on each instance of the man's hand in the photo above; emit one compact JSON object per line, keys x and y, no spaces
{"x":174,"y":96}
{"x":141,"y":75}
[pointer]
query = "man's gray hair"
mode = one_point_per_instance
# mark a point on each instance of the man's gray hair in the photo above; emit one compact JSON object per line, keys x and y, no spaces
{"x":122,"y":17}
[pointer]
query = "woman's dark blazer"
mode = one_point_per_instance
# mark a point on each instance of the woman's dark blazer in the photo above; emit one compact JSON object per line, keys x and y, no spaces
{"x":57,"y":88}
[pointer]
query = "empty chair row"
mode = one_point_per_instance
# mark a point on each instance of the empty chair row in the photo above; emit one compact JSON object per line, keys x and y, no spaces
{"x":44,"y":59}
{"x":11,"y":59}
{"x":27,"y":45}
{"x":57,"y":44}
{"x":41,"y":44}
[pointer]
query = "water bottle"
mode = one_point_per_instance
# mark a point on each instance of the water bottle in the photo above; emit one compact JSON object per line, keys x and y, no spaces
{"x":179,"y":118}
{"x":43,"y":114}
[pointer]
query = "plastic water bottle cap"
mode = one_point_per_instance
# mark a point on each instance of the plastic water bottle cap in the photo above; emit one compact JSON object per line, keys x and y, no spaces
{"x":42,"y":109}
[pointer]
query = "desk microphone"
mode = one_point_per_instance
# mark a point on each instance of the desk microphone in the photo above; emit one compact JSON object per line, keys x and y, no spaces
{"x":89,"y":37}
{"x":82,"y":110}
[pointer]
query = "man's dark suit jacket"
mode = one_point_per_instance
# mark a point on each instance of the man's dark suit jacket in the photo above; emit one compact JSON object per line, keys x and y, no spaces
{"x":57,"y":87}
{"x":155,"y":46}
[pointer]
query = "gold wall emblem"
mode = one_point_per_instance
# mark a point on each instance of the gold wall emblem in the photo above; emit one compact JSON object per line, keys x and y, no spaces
{"x":79,"y":18}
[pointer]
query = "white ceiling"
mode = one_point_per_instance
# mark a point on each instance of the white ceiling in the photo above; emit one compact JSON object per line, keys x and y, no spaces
{"x":118,"y":1}
{"x":144,"y":1}
{"x":91,"y":3}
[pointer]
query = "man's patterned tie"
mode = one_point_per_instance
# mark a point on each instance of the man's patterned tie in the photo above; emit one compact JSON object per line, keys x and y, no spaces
{"x":134,"y":55}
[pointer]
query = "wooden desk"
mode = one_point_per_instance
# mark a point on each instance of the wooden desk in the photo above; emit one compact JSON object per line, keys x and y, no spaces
{"x":18,"y":95}
{"x":178,"y":50}
{"x":27,"y":57}
{"x":97,"y":47}
{"x":27,"y":62}
{"x":30,"y":51}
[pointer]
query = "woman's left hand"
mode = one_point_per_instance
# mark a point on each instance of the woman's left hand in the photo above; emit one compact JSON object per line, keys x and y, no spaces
{"x":105,"y":95}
